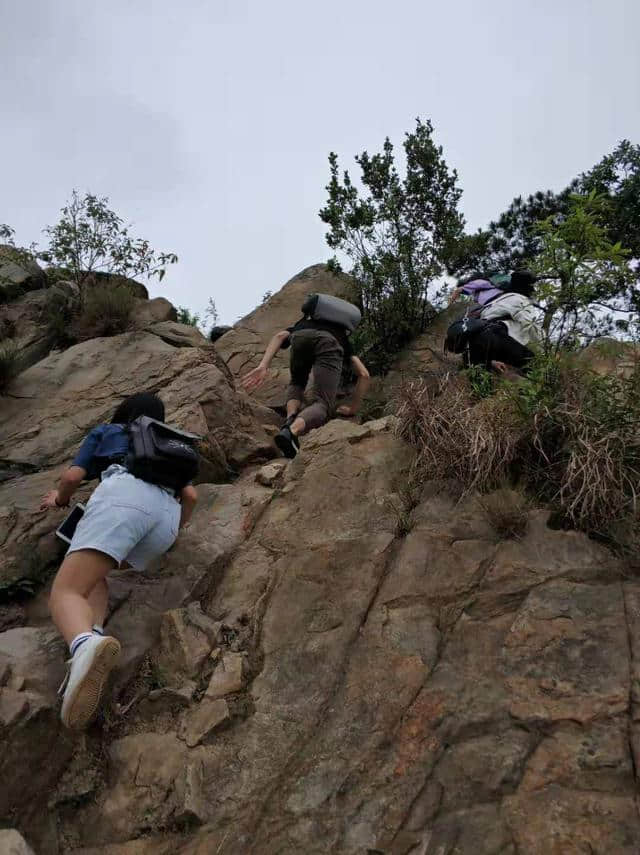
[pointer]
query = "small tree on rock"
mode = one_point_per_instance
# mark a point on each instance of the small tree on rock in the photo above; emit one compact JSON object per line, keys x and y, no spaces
{"x":91,"y":238}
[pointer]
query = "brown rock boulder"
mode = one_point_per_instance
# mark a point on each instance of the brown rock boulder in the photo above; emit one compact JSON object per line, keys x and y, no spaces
{"x":18,"y":273}
{"x":113,"y":280}
{"x":53,"y":404}
{"x":25,"y":323}
{"x":147,"y":312}
{"x":388,"y":676}
{"x":153,"y":783}
{"x":243,"y":346}
{"x":179,"y":335}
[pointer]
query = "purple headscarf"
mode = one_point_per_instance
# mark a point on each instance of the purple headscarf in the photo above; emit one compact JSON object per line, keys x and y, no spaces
{"x":481,"y":290}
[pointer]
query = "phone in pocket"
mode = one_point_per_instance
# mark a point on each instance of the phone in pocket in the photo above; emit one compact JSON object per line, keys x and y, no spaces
{"x":68,"y":526}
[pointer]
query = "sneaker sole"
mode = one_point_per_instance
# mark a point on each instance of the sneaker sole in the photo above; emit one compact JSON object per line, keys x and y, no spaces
{"x":84,"y":704}
{"x":287,"y":448}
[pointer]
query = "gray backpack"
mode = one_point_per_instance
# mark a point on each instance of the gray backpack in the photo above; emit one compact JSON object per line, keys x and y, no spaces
{"x":324,"y":307}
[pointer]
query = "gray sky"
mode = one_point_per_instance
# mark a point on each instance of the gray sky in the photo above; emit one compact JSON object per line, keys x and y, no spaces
{"x":208,"y":124}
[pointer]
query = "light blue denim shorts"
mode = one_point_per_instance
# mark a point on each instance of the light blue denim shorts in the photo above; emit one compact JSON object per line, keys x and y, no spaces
{"x":128,"y":519}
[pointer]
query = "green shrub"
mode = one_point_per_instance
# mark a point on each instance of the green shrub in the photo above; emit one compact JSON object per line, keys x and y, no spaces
{"x":185,"y":316}
{"x":105,"y":311}
{"x":482,"y":382}
{"x":8,"y":363}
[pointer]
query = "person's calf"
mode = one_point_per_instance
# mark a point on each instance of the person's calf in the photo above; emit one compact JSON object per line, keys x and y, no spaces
{"x":293,"y":408}
{"x":298,"y":426}
{"x":82,"y":574}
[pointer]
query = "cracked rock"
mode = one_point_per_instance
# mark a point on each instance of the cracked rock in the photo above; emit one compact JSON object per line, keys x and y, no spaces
{"x":202,"y":720}
{"x":187,"y":637}
{"x":227,"y":678}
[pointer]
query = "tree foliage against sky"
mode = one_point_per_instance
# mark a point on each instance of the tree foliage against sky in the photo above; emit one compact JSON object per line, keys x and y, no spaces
{"x":514,"y":240}
{"x":397,"y":231}
{"x":91,"y":238}
{"x":587,"y":286}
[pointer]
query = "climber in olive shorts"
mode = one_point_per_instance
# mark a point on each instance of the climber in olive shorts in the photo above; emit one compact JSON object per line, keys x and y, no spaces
{"x":321,"y":345}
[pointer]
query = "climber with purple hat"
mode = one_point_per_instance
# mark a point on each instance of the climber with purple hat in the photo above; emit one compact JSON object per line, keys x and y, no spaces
{"x":500,"y":323}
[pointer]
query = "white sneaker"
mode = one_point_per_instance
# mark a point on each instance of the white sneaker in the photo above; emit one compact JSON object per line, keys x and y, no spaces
{"x":88,"y":672}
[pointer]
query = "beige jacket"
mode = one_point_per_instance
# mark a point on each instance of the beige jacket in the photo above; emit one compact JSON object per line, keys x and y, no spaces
{"x":523,"y":322}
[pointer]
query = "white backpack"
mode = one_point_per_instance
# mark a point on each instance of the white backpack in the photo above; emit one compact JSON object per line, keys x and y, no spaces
{"x":324,"y":307}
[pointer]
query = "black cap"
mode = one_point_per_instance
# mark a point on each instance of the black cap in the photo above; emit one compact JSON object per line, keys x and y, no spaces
{"x":522,"y":282}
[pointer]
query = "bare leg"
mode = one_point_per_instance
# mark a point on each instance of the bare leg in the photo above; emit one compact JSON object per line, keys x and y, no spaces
{"x":298,"y":427}
{"x":98,"y":599}
{"x":293,"y":407}
{"x":69,"y":601}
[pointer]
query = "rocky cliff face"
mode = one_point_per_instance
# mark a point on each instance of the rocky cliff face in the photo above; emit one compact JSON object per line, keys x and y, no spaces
{"x":309,"y":670}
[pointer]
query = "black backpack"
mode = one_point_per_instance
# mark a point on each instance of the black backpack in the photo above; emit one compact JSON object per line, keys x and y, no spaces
{"x":460,"y":331}
{"x":161,"y":454}
{"x":471,"y":323}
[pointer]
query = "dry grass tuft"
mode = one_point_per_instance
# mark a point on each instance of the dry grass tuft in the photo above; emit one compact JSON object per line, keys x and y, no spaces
{"x":474,"y":443}
{"x":507,"y":512}
{"x":9,"y":361}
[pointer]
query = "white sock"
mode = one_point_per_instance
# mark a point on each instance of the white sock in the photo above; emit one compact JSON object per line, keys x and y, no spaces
{"x":78,"y":641}
{"x":98,"y":629}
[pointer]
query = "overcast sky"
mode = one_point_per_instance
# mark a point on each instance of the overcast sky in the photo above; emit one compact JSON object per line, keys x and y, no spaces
{"x":208,"y":124}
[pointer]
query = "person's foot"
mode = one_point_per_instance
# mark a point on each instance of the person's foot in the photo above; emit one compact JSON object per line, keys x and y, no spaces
{"x":287,"y":442}
{"x":88,"y":672}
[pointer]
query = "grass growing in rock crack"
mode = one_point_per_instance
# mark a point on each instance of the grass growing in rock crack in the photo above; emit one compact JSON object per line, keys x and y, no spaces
{"x":9,"y":355}
{"x":507,"y":512}
{"x":567,"y":435}
{"x":403,"y":503}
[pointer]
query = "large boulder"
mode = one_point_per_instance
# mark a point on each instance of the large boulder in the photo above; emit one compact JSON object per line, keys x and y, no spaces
{"x":19,"y":272}
{"x":113,"y":280}
{"x":243,"y":346}
{"x":147,"y":312}
{"x":53,"y":404}
{"x":179,"y":335}
{"x":25,"y":321}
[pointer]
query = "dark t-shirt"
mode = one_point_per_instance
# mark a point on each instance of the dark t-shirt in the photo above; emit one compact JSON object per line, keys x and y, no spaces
{"x":338,"y":332}
{"x":102,"y":445}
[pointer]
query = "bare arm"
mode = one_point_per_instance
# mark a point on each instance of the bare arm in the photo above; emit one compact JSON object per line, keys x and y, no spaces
{"x":257,"y":376}
{"x":70,"y":480}
{"x":359,"y":392}
{"x":455,"y":294}
{"x":188,"y":499}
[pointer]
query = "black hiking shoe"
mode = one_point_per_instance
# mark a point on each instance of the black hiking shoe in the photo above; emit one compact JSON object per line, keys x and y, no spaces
{"x":287,"y":442}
